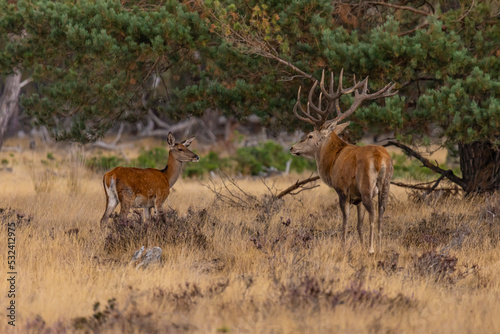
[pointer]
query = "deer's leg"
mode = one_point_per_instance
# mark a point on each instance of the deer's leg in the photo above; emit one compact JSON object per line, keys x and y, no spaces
{"x":344,"y":207}
{"x":126,"y":199}
{"x":381,"y":209}
{"x":111,"y":204}
{"x":125,"y":208}
{"x":361,"y":216}
{"x":368,"y":204}
{"x":147,"y":214}
{"x":383,"y":196}
{"x":158,"y":204}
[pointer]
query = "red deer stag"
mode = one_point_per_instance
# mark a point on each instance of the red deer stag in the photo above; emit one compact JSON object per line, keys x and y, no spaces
{"x":148,"y":187}
{"x":356,"y":173}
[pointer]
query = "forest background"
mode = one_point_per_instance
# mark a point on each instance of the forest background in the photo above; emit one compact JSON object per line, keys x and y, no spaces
{"x":81,"y":69}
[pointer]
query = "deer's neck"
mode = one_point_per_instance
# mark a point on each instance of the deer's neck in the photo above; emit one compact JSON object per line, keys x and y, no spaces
{"x":328,"y":154}
{"x":173,"y":169}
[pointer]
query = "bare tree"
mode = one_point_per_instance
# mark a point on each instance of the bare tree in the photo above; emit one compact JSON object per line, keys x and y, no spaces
{"x":9,"y":101}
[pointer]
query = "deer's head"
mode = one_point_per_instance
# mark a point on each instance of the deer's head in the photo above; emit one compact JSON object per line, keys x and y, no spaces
{"x":317,"y":115}
{"x":180,"y":150}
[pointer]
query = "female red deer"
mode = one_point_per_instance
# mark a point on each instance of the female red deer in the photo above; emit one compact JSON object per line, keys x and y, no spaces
{"x":356,"y":173}
{"x":148,"y":187}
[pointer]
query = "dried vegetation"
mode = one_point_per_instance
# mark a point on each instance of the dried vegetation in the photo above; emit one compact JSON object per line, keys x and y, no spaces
{"x":265,"y":266}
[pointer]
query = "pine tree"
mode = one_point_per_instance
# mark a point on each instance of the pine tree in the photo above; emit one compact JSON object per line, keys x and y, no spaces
{"x":94,"y":62}
{"x":444,"y":58}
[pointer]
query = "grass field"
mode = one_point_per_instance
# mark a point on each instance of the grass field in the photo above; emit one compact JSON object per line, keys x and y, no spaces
{"x":275,"y":268}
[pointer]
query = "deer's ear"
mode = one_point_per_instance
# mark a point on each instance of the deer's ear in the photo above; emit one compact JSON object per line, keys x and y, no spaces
{"x":341,"y":127}
{"x":170,"y":139}
{"x":188,"y":141}
{"x":329,"y":129}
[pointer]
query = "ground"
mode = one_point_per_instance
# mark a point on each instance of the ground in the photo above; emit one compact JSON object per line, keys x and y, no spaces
{"x":265,"y":268}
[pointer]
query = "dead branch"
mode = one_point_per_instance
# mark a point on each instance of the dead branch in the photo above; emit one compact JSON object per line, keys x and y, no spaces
{"x":426,"y":23}
{"x":158,"y":120}
{"x":234,"y":196}
{"x":421,"y":186}
{"x":447,"y":173}
{"x":297,"y":185}
{"x":164,"y":127}
{"x":252,"y":44}
{"x":272,"y":189}
{"x":420,"y":26}
{"x":222,"y":197}
{"x":233,"y":182}
{"x":25,"y":82}
{"x":411,"y":9}
{"x":113,"y":145}
{"x":238,"y":198}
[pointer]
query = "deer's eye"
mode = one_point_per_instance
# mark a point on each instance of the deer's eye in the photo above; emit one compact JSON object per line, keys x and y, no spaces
{"x":310,"y":136}
{"x":181,"y":150}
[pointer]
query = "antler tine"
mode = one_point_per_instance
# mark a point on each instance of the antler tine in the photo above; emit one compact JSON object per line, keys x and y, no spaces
{"x":356,"y":86}
{"x":361,"y":94}
{"x":364,"y":96}
{"x":341,"y":115}
{"x":364,"y":90}
{"x":300,"y":117}
{"x":331,"y":83}
{"x":341,"y":77}
{"x":318,"y":110}
{"x":309,"y":118}
{"x":349,"y":90}
{"x":384,"y":92}
{"x":329,"y":95}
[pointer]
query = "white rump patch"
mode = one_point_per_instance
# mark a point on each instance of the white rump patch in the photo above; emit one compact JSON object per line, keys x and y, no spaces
{"x":112,"y":194}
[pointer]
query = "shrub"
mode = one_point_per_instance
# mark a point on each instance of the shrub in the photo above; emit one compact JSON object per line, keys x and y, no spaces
{"x":166,"y":228}
{"x":103,"y":164}
{"x":208,"y":163}
{"x":436,"y":265}
{"x":429,"y":233}
{"x":155,"y":158}
{"x":251,"y":160}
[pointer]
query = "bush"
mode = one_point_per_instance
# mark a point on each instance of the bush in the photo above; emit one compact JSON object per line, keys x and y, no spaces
{"x":208,"y":163}
{"x":103,"y":164}
{"x":251,"y":160}
{"x":155,"y":158}
{"x":166,"y":228}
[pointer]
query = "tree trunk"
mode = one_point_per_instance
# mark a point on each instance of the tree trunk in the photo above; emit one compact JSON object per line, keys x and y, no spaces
{"x":480,"y":165}
{"x":9,"y":102}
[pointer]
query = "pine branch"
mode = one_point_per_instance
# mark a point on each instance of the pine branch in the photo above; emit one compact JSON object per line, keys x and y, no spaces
{"x":249,"y":44}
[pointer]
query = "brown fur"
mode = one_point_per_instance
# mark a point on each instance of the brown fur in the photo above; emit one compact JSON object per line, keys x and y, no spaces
{"x":357,"y":173}
{"x":145,"y":188}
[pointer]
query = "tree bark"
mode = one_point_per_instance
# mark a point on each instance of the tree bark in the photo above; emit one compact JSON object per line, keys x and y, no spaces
{"x":9,"y":102}
{"x":480,"y":166}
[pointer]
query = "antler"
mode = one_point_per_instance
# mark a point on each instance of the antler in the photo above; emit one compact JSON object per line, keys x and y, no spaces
{"x":333,"y":98}
{"x":322,"y":114}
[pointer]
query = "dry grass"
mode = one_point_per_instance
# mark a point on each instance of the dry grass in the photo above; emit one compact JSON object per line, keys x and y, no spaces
{"x":256,"y":270}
